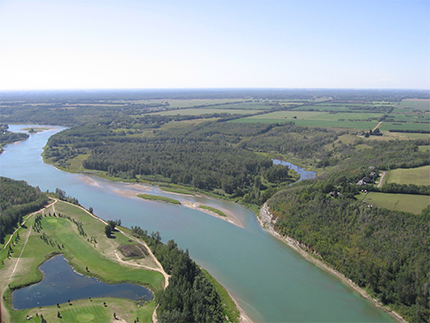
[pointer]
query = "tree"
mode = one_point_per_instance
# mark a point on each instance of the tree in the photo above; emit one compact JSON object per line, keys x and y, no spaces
{"x":108,"y":231}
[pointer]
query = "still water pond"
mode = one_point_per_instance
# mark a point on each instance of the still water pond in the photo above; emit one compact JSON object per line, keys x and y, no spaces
{"x":61,"y":283}
{"x":271,"y":282}
{"x":304,"y":174}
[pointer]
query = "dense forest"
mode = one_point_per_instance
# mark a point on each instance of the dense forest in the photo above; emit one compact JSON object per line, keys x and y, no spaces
{"x":17,"y":199}
{"x":205,"y":156}
{"x":386,"y":252}
{"x":190,"y":297}
{"x":7,"y":137}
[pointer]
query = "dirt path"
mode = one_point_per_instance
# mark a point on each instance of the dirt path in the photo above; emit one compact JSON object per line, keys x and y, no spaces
{"x":160,"y":268}
{"x":25,"y":220}
{"x":377,"y":126}
{"x":9,"y":270}
{"x":381,"y":181}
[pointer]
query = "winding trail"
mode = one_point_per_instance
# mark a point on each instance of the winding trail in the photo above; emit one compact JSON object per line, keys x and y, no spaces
{"x":25,"y":220}
{"x":160,"y":268}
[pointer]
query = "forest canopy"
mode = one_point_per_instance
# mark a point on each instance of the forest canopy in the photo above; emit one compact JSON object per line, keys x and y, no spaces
{"x":17,"y":199}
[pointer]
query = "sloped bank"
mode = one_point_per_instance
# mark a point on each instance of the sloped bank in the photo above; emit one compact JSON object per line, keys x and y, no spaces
{"x":267,"y":221}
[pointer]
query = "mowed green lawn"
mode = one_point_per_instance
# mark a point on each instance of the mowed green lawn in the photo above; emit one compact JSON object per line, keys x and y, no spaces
{"x":81,"y":253}
{"x":398,"y":202}
{"x":417,"y":176}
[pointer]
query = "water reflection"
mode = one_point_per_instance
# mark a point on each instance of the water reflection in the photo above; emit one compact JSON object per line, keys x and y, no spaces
{"x":61,"y":283}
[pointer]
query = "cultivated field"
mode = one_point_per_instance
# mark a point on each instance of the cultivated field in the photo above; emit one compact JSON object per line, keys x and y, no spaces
{"x":203,"y":111}
{"x":416,"y":104}
{"x":318,"y":119}
{"x":417,"y":176}
{"x":398,"y":202}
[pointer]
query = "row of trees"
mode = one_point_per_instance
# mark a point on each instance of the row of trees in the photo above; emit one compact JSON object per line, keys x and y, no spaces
{"x":190,"y":297}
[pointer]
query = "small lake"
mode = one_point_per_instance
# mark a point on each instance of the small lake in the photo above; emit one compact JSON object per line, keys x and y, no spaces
{"x":304,"y":174}
{"x":61,"y":283}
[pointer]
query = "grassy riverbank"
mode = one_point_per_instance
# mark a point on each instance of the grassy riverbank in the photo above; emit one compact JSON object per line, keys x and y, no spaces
{"x":93,"y":250}
{"x":159,"y":198}
{"x":212,"y":209}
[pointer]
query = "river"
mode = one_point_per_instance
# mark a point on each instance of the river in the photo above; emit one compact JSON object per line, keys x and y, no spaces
{"x":271,"y":282}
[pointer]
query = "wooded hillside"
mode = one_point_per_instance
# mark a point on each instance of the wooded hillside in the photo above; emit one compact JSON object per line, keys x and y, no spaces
{"x":17,"y":199}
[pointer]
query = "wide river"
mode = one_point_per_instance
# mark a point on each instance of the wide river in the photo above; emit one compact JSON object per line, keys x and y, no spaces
{"x":271,"y":282}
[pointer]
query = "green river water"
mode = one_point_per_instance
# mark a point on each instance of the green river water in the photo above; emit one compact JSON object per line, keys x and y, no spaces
{"x":271,"y":282}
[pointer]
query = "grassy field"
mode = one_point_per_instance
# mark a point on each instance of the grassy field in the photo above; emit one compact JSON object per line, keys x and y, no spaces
{"x":92,"y":311}
{"x":417,"y":176}
{"x":416,"y":104}
{"x":178,"y":103}
{"x":405,"y":126}
{"x":95,"y":254}
{"x":158,"y":198}
{"x":363,"y":121}
{"x":398,"y":202}
{"x":202,"y":111}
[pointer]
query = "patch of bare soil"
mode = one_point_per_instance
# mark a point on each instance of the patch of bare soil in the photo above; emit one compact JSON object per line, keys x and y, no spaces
{"x":133,"y":250}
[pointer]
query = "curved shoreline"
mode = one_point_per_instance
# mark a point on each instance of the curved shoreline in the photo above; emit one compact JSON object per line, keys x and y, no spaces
{"x":266,"y":221}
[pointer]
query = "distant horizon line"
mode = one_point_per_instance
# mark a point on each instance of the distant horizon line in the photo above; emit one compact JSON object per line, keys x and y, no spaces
{"x":211,"y":89}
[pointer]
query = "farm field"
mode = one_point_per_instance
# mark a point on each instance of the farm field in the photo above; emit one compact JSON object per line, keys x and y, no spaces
{"x":202,"y":111}
{"x":402,"y":126}
{"x":398,"y":202}
{"x":416,"y":104}
{"x":318,"y":119}
{"x":417,"y":176}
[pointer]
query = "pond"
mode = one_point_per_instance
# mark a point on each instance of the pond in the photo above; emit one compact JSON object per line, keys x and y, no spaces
{"x":304,"y":174}
{"x":61,"y":283}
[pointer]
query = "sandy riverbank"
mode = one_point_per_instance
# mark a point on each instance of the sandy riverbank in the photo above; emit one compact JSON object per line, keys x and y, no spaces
{"x":134,"y":188}
{"x":266,"y":220}
{"x":231,"y":218}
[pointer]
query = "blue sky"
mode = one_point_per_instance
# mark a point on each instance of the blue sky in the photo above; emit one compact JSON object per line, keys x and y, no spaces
{"x":214,"y":44}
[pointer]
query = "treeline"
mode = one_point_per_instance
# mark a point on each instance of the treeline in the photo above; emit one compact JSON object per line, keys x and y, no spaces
{"x":63,"y":196}
{"x":7,"y":137}
{"x":383,"y":251}
{"x":351,"y":164}
{"x":401,"y":188}
{"x":190,"y":297}
{"x":17,"y":199}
